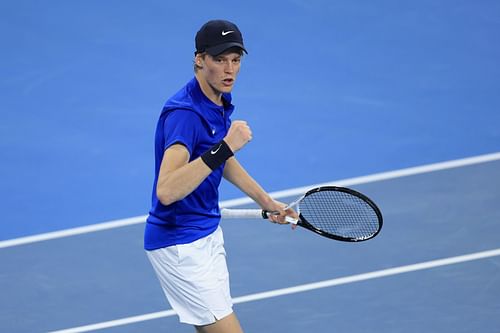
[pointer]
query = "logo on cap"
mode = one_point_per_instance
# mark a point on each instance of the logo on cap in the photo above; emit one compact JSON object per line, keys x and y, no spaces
{"x":217,"y":36}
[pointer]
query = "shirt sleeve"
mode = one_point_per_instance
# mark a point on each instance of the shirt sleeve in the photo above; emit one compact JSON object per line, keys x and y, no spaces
{"x":182,"y":127}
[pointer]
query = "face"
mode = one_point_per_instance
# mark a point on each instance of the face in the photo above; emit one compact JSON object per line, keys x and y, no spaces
{"x":218,"y":73}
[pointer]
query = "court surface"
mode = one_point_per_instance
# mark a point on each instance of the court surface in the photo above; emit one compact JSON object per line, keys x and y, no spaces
{"x":334,"y":91}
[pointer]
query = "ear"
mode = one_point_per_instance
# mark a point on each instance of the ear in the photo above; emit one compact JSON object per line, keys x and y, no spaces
{"x":198,"y":59}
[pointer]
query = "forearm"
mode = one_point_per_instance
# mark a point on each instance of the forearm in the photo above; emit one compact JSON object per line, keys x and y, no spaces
{"x":238,"y":176}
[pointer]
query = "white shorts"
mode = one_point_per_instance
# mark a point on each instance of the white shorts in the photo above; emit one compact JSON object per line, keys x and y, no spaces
{"x":195,"y":279}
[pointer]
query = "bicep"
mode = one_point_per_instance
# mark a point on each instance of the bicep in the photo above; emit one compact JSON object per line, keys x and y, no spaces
{"x":176,"y":156}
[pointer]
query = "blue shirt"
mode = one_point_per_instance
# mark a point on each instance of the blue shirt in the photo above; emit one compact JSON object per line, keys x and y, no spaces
{"x":191,"y":119}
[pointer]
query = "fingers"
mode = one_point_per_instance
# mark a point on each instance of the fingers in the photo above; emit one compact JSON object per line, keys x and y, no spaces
{"x":277,"y":218}
{"x":281,"y":219}
{"x":280,"y":212}
{"x":292,"y":213}
{"x":242,"y":129}
{"x":239,"y":134}
{"x":280,"y":215}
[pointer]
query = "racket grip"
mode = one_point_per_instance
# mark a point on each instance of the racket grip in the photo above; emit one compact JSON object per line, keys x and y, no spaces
{"x":227,"y":213}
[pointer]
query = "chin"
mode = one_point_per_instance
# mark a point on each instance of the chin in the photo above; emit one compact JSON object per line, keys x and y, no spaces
{"x":226,"y":89}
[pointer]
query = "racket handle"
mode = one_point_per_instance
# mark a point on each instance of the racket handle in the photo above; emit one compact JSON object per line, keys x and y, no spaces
{"x":240,"y":213}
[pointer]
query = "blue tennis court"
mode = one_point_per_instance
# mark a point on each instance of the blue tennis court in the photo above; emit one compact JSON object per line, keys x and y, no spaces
{"x":397,"y":100}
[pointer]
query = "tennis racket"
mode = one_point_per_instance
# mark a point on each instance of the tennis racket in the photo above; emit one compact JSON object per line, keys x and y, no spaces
{"x":335,"y":212}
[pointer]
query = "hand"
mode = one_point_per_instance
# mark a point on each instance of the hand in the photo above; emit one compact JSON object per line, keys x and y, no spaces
{"x":279,"y":207}
{"x":239,"y":134}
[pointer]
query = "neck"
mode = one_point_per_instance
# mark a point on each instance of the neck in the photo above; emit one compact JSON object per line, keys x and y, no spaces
{"x":212,"y":94}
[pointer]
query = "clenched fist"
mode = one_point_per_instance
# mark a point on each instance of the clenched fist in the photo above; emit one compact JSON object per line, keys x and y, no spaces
{"x":239,"y":134}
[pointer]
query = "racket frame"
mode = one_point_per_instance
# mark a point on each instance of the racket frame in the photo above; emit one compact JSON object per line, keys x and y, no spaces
{"x":305,"y":224}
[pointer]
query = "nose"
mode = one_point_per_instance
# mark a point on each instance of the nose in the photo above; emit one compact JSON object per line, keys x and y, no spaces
{"x":229,"y":68}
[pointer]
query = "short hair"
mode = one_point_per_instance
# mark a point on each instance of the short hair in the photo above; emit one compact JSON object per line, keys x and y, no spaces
{"x":235,"y":49}
{"x":196,"y":68}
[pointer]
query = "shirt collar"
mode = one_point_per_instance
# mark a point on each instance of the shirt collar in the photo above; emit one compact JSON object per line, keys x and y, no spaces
{"x":198,"y":93}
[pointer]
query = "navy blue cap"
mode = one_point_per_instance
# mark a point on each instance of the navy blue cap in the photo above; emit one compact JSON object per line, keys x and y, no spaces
{"x":217,"y":36}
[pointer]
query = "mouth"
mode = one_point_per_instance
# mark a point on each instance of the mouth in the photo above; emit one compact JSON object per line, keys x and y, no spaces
{"x":228,"y":82}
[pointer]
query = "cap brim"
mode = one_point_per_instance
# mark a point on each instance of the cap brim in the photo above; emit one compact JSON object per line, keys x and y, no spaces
{"x":219,"y":49}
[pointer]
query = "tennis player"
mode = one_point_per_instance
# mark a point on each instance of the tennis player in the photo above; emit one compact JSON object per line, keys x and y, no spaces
{"x":195,"y":145}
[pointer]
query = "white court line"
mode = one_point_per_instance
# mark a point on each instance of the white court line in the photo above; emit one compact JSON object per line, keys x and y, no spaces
{"x":298,"y":289}
{"x":280,"y":194}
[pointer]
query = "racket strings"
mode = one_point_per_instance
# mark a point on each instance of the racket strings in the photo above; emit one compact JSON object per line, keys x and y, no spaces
{"x":340,"y":213}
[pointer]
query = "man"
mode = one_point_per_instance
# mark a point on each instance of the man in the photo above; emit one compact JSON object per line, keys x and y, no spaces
{"x":195,"y":145}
